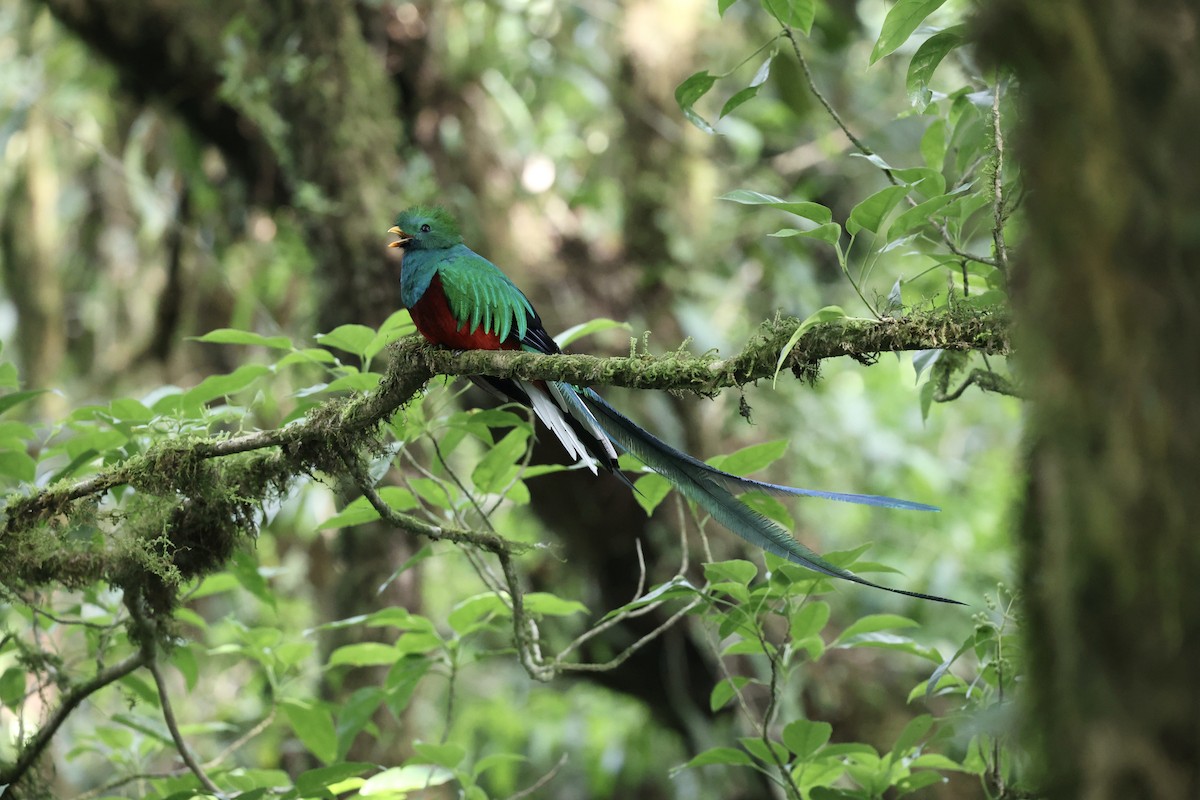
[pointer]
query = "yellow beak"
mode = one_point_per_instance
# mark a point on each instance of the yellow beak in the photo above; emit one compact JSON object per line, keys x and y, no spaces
{"x":404,"y":237}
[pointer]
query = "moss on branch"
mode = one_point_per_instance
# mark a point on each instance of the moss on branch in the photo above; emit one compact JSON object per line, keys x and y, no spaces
{"x":197,"y":498}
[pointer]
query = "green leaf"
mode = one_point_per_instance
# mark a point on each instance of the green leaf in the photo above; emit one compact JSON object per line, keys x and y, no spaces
{"x":814,"y":776}
{"x":184,"y":659}
{"x":805,"y":737}
{"x":352,"y":338}
{"x":549,"y":605}
{"x":927,"y":390}
{"x":924,"y":359}
{"x":925,"y":180}
{"x":913,"y":732}
{"x":830,"y":232}
{"x":126,"y":409}
{"x":234,"y":336}
{"x":875,"y":622}
{"x":826,"y":314}
{"x":936,"y":761}
{"x":364,"y":654}
{"x":896,"y":643}
{"x":358,"y":512}
{"x":870,"y":213}
{"x":448,"y":755}
{"x":810,"y":620}
{"x":9,"y":379}
{"x":925,"y":61}
{"x":396,"y":326}
{"x":944,"y":667}
{"x":933,"y":144}
{"x":354,"y":382}
{"x":436,"y":493}
{"x":16,"y":432}
{"x":496,"y":469}
{"x":735,"y":570}
{"x":94,"y":440}
{"x":401,"y":780}
{"x":417,"y":642}
{"x":398,"y":617}
{"x":676,"y":587}
{"x":794,"y":13}
{"x":12,"y":687}
{"x":313,"y":780}
{"x":723,"y":6}
{"x":691,"y":90}
{"x":901,"y":21}
{"x":495,"y":760}
{"x":915,"y":781}
{"x":918,"y":215}
{"x":725,"y":690}
{"x":250,"y":577}
{"x":741,"y":97}
{"x":18,"y":465}
{"x":801,"y":208}
{"x":760,"y":77}
{"x":15,"y":399}
{"x":649,"y":490}
{"x":216,"y":386}
{"x":750,"y":459}
{"x":307,"y":355}
{"x":721,"y":755}
{"x":758,"y":749}
{"x":313,"y":725}
{"x":470,"y":614}
{"x":583,"y":329}
{"x":402,"y":680}
{"x":992,"y":298}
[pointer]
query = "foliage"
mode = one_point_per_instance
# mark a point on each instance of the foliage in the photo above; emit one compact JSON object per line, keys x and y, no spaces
{"x":246,"y":634}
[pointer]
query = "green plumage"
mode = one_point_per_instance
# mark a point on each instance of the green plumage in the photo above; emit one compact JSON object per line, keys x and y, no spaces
{"x":480,"y":294}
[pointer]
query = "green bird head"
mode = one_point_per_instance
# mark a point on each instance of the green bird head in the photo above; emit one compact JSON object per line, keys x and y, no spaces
{"x":425,"y":228}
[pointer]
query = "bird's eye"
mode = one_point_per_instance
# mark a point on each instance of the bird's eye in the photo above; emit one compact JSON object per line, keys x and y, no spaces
{"x":425,"y":228}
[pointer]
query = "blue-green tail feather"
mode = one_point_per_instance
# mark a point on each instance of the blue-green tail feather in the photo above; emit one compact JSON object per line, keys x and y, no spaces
{"x":712,"y":490}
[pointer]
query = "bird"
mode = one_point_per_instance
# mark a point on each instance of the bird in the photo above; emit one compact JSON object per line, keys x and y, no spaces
{"x":462,"y":301}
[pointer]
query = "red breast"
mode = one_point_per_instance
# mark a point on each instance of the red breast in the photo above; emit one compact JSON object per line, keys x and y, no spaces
{"x":433,"y":319}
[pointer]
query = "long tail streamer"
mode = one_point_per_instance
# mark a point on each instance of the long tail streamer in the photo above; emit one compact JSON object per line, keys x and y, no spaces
{"x":713,"y":490}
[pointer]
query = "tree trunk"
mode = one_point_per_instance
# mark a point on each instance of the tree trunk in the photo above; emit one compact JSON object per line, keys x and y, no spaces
{"x":1107,"y":292}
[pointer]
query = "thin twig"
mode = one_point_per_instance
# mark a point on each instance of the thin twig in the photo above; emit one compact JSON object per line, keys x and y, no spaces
{"x":524,"y":628}
{"x":998,"y":184}
{"x":185,"y":752}
{"x":31,"y":751}
{"x":986,"y":380}
{"x":624,"y":655}
{"x":812,"y":86}
{"x":108,"y":788}
{"x":769,"y":714}
{"x":542,"y":781}
{"x":948,"y":241}
{"x":240,"y":742}
{"x":863,"y":148}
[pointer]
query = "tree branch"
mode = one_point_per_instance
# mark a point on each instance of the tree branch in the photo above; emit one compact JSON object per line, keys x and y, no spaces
{"x":33,"y":749}
{"x":320,"y":442}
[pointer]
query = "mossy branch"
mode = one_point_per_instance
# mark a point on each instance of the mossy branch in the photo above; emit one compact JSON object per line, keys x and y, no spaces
{"x":212,"y":486}
{"x":987,"y":332}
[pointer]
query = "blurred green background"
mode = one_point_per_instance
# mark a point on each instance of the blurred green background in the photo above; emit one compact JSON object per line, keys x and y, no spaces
{"x":172,"y":169}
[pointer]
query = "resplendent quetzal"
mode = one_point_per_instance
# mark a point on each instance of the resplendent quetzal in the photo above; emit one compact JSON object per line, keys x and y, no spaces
{"x":460,"y":300}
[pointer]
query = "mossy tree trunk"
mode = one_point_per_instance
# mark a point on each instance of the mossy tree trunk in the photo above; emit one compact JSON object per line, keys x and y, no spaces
{"x":306,"y":118}
{"x":1107,"y":292}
